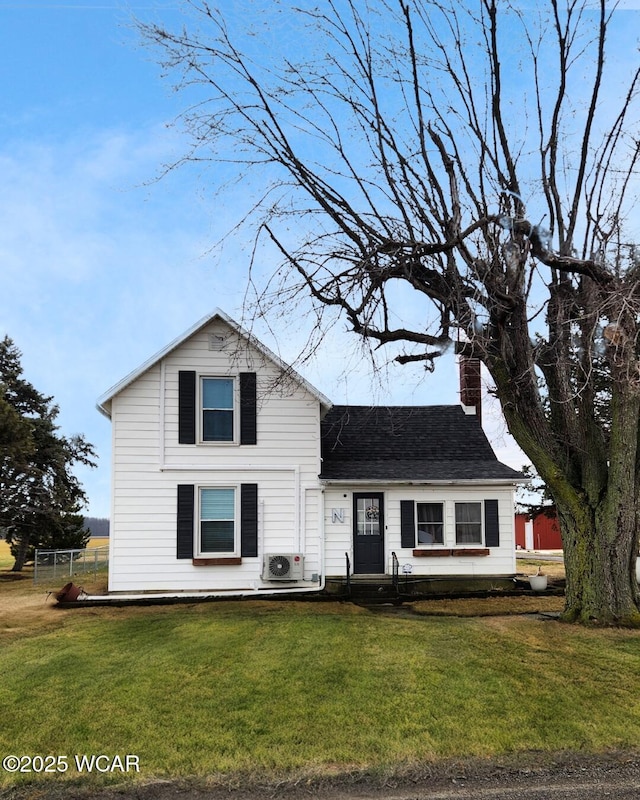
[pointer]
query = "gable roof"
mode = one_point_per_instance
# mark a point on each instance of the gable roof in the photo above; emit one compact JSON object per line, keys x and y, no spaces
{"x":406,"y":444}
{"x":104,"y":401}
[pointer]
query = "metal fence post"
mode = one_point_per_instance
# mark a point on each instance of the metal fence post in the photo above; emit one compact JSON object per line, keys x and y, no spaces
{"x":51,"y":564}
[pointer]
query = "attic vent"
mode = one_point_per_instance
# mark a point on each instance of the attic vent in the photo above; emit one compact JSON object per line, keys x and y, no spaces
{"x":216,"y":341}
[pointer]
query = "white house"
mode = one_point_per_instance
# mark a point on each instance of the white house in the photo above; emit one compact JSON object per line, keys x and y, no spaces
{"x":232,"y":474}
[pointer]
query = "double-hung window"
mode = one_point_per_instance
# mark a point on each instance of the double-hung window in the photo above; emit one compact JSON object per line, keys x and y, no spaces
{"x":422,"y":525}
{"x":218,"y":409}
{"x":217,"y":530}
{"x":430,"y":523}
{"x":468,"y":523}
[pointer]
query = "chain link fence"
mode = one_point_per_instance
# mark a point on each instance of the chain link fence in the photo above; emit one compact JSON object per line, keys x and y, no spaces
{"x":64,"y":565}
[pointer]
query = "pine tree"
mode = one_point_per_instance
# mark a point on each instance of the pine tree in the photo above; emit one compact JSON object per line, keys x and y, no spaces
{"x":40,"y":497}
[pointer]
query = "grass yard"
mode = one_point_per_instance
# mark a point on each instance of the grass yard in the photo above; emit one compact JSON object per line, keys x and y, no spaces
{"x":529,"y":566}
{"x":260,"y":688}
{"x":6,"y":559}
{"x":91,"y":582}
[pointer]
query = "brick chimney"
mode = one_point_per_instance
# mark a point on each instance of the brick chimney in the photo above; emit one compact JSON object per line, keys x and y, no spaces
{"x":471,"y":384}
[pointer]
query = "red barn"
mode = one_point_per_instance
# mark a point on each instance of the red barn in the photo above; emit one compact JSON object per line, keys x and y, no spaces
{"x":540,"y":532}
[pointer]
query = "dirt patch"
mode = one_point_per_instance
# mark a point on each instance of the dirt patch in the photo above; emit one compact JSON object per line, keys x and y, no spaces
{"x":24,"y":608}
{"x":491,"y":606}
{"x":529,"y":775}
{"x":27,"y":609}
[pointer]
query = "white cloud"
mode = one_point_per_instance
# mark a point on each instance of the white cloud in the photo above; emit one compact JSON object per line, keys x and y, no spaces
{"x":98,"y":270}
{"x":101,"y":269}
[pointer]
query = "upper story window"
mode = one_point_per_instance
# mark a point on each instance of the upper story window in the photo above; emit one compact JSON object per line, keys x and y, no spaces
{"x":214,"y":409}
{"x":218,"y":409}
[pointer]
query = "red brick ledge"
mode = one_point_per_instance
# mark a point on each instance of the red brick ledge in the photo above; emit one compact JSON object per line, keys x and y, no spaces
{"x":461,"y":551}
{"x":216,"y":562}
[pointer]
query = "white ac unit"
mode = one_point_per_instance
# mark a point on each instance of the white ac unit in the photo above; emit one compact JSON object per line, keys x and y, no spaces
{"x":283,"y":567}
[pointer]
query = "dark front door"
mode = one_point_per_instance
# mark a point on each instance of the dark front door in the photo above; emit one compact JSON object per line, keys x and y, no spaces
{"x":368,"y":533}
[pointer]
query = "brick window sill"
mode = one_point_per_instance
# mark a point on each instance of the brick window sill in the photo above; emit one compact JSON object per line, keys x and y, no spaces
{"x":216,"y":562}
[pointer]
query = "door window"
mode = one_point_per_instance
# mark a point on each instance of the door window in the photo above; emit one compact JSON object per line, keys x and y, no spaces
{"x":368,"y":516}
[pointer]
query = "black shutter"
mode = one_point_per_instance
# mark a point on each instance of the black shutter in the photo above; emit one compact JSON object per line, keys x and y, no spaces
{"x":186,"y":496}
{"x":491,"y":527}
{"x":407,"y":523}
{"x":248,"y":408}
{"x":186,"y":407}
{"x":249,"y":520}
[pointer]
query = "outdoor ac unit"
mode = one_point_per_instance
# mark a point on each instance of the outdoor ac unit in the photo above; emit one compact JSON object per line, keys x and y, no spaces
{"x":283,"y":567}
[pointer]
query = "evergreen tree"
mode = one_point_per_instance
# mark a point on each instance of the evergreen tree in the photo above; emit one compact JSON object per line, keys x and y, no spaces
{"x":40,"y":497}
{"x":66,"y":532}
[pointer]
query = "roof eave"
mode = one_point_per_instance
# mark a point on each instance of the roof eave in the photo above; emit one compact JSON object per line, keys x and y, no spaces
{"x":424,"y":481}
{"x":101,"y":405}
{"x":104,"y":401}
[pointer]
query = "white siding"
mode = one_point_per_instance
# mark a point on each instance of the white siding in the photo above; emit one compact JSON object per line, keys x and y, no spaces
{"x":339,"y":535}
{"x":294,"y":511}
{"x":148,"y":465}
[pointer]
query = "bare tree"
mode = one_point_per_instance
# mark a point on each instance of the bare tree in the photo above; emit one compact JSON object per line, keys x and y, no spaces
{"x":484,"y":155}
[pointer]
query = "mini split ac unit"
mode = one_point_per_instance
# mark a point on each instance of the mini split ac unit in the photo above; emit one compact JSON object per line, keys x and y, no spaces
{"x":282,"y":567}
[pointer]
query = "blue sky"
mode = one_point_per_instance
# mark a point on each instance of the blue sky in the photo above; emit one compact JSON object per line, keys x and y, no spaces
{"x":102,"y":265}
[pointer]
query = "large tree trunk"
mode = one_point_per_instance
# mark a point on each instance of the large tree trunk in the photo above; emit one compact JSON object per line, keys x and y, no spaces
{"x":600,"y":533}
{"x":600,"y":550}
{"x":592,"y":475}
{"x":21,"y":554}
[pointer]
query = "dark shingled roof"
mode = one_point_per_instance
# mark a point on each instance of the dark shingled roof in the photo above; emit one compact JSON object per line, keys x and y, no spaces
{"x":407,"y":443}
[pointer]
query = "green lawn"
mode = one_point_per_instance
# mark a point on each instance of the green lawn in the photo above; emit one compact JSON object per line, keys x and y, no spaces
{"x":265,"y":687}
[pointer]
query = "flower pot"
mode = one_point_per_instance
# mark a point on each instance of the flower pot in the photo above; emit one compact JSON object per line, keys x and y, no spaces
{"x":538,"y":582}
{"x":69,"y":593}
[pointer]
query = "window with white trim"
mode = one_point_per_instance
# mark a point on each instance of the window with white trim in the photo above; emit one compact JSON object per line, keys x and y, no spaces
{"x":217,"y":521}
{"x":468,"y":523}
{"x":217,"y":401}
{"x":430,"y":523}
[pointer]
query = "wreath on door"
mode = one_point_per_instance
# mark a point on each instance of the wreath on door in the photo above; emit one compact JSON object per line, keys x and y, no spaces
{"x":372,"y":513}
